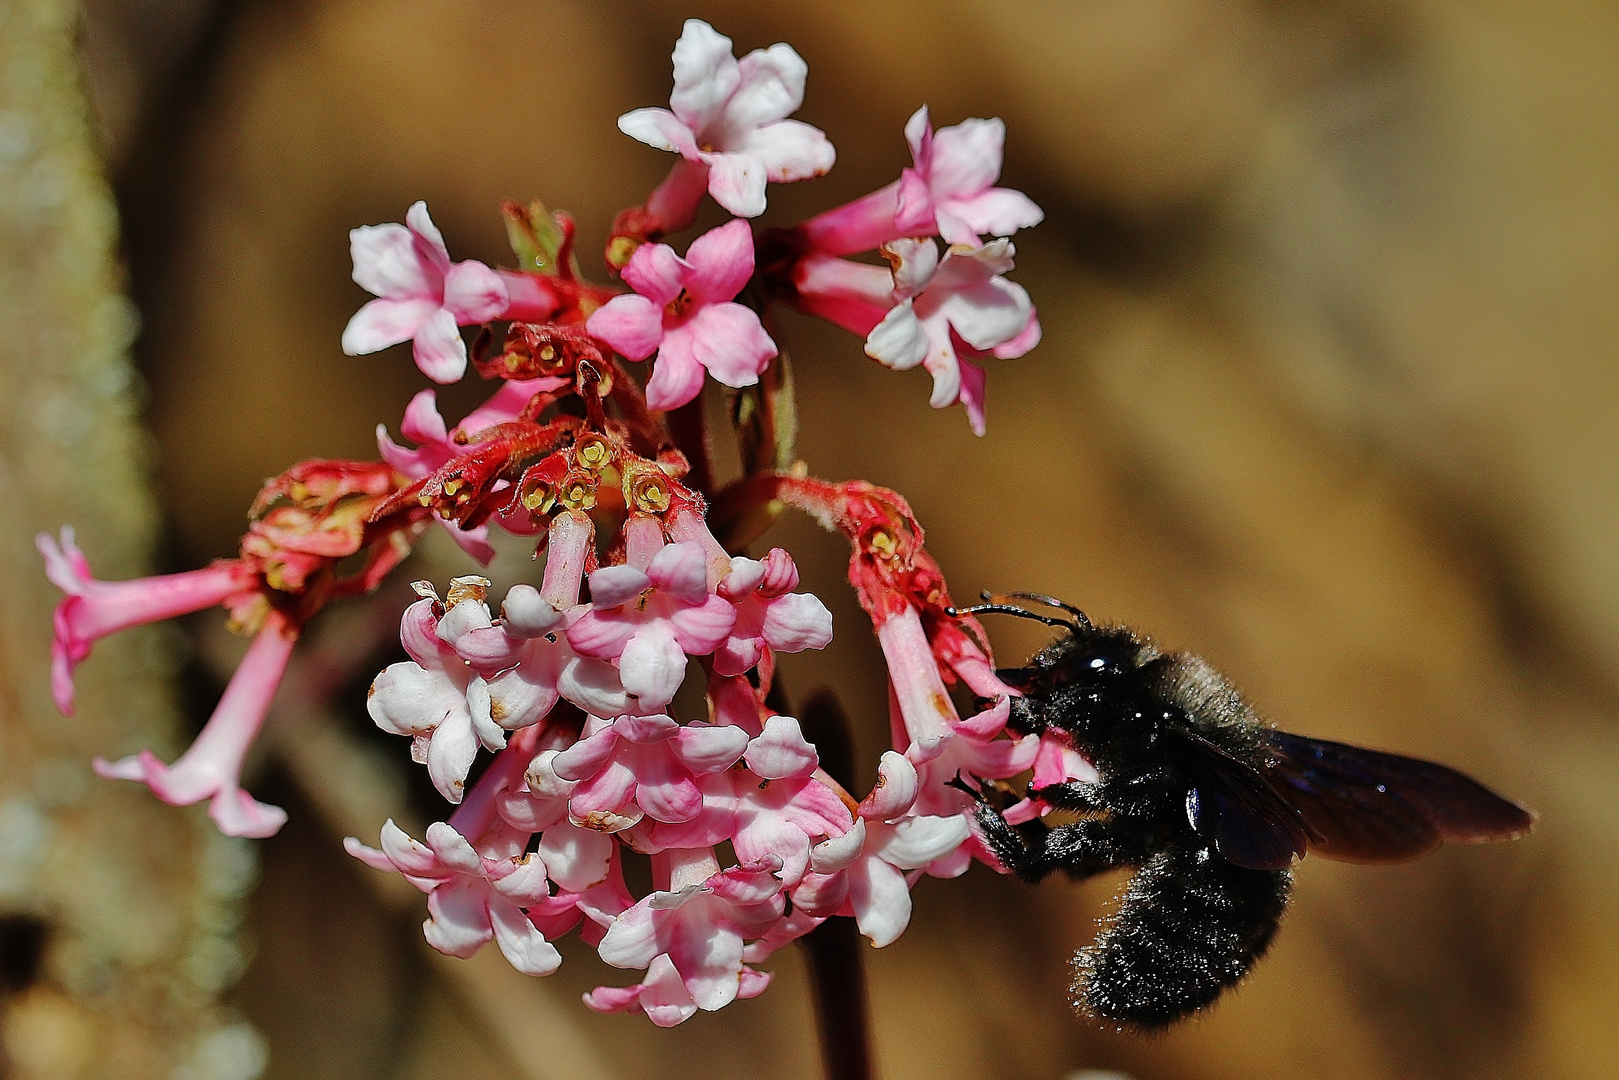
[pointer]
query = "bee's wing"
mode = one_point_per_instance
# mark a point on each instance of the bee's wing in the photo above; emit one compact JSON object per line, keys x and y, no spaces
{"x":1232,"y":805}
{"x":1369,"y":806}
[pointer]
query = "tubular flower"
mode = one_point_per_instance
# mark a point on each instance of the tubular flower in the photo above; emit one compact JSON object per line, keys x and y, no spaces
{"x":940,"y":313}
{"x":728,"y":120}
{"x":683,"y":310}
{"x":421,"y":294}
{"x":639,"y":765}
{"x":948,"y":192}
{"x":212,"y":768}
{"x":649,"y":621}
{"x":475,"y":895}
{"x":700,"y":921}
{"x":93,"y":609}
{"x":435,"y":697}
{"x":768,"y":613}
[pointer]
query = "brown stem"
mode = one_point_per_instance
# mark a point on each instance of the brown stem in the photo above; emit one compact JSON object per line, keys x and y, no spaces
{"x":838,"y":982}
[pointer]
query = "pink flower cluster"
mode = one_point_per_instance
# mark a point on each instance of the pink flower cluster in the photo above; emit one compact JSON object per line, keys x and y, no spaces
{"x":571,"y":688}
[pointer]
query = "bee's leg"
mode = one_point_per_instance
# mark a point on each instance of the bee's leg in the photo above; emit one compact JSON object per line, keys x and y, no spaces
{"x":1079,"y":795}
{"x":1087,"y":848}
{"x":1014,"y":852}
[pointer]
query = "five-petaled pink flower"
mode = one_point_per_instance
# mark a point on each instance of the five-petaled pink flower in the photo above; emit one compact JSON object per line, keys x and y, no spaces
{"x":730,"y":117}
{"x":959,"y":166}
{"x":421,"y":294}
{"x":212,"y":768}
{"x":93,"y":609}
{"x":962,"y":298}
{"x":683,"y":309}
{"x":700,"y":924}
{"x":473,"y":897}
{"x":639,"y":765}
{"x":769,"y":613}
{"x":649,"y":622}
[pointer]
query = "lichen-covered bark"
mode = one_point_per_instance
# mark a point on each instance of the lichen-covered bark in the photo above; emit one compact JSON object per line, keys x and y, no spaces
{"x":135,"y":904}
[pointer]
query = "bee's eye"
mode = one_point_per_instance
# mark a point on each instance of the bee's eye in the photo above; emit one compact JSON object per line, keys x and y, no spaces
{"x":1098,"y":661}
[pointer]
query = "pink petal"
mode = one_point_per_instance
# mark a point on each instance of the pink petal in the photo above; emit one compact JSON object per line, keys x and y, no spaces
{"x":450,"y":754}
{"x":520,"y":941}
{"x":914,"y":214}
{"x":916,"y":841}
{"x":881,"y":900}
{"x":704,"y":749}
{"x":645,"y":730}
{"x":422,"y":422}
{"x":993,"y":212}
{"x":737,"y":182}
{"x":838,"y":852}
{"x":381,"y":323}
{"x":657,"y":273}
{"x":681,"y":571}
{"x":440,"y":353}
{"x":653,"y":665}
{"x":602,"y":633}
{"x":658,"y":128}
{"x":796,"y":622}
{"x":473,"y":293}
{"x":575,"y":858}
{"x":709,"y":959}
{"x":771,"y":87}
{"x":701,"y":629}
{"x":1026,"y":339}
{"x":919,"y":136}
{"x":749,"y":884}
{"x":373,"y":858}
{"x":594,"y":686}
{"x":458,"y":918}
{"x":239,"y":814}
{"x":632,"y":940}
{"x":666,"y":792}
{"x":781,"y":750}
{"x":790,"y":150}
{"x":631,"y":324}
{"x":606,"y":801}
{"x":721,"y":262}
{"x":386,"y":263}
{"x":972,"y":394}
{"x":586,"y":757}
{"x":677,"y":377}
{"x":898,"y":342}
{"x":409,"y":856}
{"x":664,"y":997}
{"x":894,"y":791}
{"x":452,"y":851}
{"x":429,"y":241}
{"x":706,"y":75}
{"x":729,"y":341}
{"x":966,"y":158}
{"x":745,"y":576}
{"x":612,"y":586}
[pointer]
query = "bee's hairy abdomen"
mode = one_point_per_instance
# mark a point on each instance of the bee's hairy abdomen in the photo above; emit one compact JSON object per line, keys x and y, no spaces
{"x":1191,"y":925}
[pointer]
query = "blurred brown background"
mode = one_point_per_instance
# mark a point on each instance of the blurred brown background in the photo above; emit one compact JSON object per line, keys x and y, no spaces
{"x":1329,"y":393}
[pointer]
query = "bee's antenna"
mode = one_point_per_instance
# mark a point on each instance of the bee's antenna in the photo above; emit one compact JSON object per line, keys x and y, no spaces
{"x":1011,"y":609}
{"x":1049,"y":601}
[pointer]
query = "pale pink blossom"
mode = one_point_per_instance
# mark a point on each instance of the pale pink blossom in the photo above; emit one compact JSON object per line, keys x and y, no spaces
{"x":649,"y":765}
{"x":962,"y":298}
{"x":526,"y":659}
{"x":683,"y":310}
{"x":1056,"y":762}
{"x":650,"y":622}
{"x":435,"y":698}
{"x":864,"y":872}
{"x":700,"y":922}
{"x":662,"y":996}
{"x":422,"y":295}
{"x":212,"y":768}
{"x":949,"y":192}
{"x":960,"y":165}
{"x":768,"y":613}
{"x":93,"y":609}
{"x":774,"y":807}
{"x":730,"y":117}
{"x":475,"y":895}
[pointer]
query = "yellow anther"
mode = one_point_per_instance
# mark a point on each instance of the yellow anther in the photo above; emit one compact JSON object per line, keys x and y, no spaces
{"x":537,"y":497}
{"x":578,"y":492}
{"x":883,"y":543}
{"x":452,"y":486}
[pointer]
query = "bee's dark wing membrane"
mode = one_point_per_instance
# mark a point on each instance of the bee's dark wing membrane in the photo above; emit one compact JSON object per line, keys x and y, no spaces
{"x":1369,"y":806}
{"x":1231,"y":805}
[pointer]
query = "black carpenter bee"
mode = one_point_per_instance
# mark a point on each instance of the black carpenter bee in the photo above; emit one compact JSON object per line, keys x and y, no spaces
{"x":1210,"y":805}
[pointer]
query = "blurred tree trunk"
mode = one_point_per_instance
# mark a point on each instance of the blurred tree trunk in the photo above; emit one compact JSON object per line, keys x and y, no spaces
{"x":118,"y":915}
